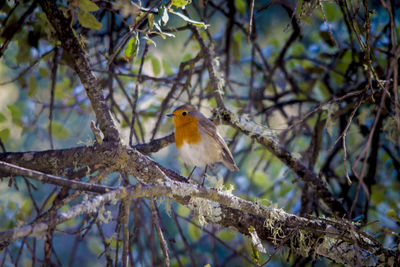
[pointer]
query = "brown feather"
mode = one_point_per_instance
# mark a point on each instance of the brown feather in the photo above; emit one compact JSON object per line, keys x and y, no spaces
{"x":210,"y":128}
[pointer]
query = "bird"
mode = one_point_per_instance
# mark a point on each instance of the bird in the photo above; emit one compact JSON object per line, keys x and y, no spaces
{"x":198,"y":141}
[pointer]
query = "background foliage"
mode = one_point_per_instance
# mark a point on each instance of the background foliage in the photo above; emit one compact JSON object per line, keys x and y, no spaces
{"x":320,"y":77}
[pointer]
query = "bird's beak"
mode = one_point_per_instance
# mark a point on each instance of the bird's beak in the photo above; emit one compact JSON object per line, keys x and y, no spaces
{"x":171,"y":115}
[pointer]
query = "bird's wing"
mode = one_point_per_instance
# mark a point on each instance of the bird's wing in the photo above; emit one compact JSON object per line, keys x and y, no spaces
{"x":210,"y":128}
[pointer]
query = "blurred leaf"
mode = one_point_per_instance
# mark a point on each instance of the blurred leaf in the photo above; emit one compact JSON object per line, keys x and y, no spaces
{"x":16,"y":114}
{"x":44,"y":72}
{"x":378,"y":194}
{"x":60,"y":92}
{"x":32,"y":86}
{"x":11,"y":205}
{"x":183,"y":211}
{"x":95,"y":245}
{"x":297,"y":49}
{"x":24,"y":51}
{"x":226,"y":235}
{"x":87,"y":20}
{"x":194,"y":232}
{"x":87,"y":5}
{"x":156,"y":65}
{"x":332,"y":11}
{"x":5,"y":135}
{"x":337,"y":77}
{"x":260,"y":179}
{"x":26,"y":207}
{"x":187,"y":57}
{"x":11,"y":224}
{"x":393,"y":214}
{"x":237,"y":45}
{"x":2,"y":117}
{"x":59,"y":131}
{"x":167,"y":67}
{"x":71,"y":101}
{"x":241,"y":6}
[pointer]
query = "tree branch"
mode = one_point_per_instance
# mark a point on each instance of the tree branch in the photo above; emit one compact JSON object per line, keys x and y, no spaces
{"x":71,"y":44}
{"x":264,"y":137}
{"x":51,"y":179}
{"x":331,"y":239}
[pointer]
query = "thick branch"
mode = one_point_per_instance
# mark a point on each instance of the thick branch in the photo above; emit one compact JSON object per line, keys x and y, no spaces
{"x":54,"y":161}
{"x":311,"y":236}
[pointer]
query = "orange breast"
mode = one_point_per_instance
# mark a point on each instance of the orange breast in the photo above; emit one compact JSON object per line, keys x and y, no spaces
{"x":187,"y":133}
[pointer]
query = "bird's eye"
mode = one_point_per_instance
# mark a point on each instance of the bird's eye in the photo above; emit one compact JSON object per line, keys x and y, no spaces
{"x":184,"y":113}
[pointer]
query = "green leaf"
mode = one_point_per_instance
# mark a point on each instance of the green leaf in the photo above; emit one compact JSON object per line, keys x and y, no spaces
{"x":187,"y":57}
{"x":60,"y":92}
{"x":94,"y":245}
{"x":392,"y":214}
{"x":16,"y":114}
{"x":194,"y":232}
{"x":378,"y":194}
{"x":183,"y":210}
{"x":44,"y":72}
{"x":87,"y":20}
{"x":180,"y":3}
{"x":26,"y":207}
{"x":156,"y":65}
{"x":198,"y":24}
{"x":167,"y":67}
{"x":32,"y":86}
{"x":132,"y":47}
{"x":332,"y":11}
{"x":226,"y":235}
{"x":2,"y":117}
{"x":237,"y":45}
{"x":58,"y":130}
{"x":241,"y":6}
{"x":261,"y":180}
{"x":12,"y":205}
{"x":5,"y":135}
{"x":24,"y":51}
{"x":87,"y":5}
{"x":150,"y":19}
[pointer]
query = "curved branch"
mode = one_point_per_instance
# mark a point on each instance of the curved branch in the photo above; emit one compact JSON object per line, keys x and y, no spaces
{"x":260,"y":134}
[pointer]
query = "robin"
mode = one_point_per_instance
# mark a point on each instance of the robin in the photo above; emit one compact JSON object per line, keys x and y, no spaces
{"x":198,"y":141}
